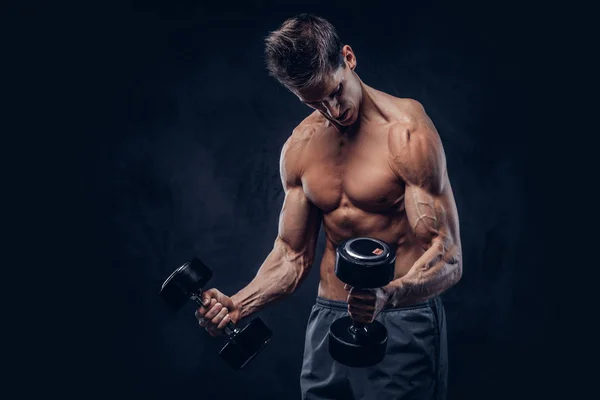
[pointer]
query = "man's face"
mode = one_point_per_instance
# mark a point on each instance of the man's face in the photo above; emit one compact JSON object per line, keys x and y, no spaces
{"x":337,"y":96}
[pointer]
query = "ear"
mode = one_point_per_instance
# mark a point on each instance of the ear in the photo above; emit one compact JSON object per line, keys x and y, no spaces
{"x":349,"y":57}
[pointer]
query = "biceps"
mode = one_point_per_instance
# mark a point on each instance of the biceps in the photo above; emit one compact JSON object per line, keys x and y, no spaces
{"x":299,"y":222}
{"x":429,"y":215}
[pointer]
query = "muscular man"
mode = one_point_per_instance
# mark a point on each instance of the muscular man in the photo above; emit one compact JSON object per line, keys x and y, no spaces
{"x":363,"y":163}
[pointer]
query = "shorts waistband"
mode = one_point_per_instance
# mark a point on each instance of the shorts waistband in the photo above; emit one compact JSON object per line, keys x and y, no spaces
{"x":343,"y":306}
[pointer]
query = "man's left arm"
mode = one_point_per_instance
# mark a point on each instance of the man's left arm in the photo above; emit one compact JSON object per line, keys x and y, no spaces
{"x":417,"y":157}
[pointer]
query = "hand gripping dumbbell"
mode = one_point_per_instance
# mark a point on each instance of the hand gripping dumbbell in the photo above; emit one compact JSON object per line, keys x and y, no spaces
{"x":363,"y":263}
{"x":186,"y":283}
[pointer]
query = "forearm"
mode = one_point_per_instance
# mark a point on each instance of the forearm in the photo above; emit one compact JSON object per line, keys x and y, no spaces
{"x":438,"y":269}
{"x":279,"y":275}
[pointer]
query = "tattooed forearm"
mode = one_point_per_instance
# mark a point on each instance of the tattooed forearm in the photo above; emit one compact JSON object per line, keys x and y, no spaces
{"x":439,"y":268}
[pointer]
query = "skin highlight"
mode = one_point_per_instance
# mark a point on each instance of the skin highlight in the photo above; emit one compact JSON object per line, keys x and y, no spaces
{"x":363,"y":163}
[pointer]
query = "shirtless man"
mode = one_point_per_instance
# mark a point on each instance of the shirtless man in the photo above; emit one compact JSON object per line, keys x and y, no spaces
{"x":363,"y":164}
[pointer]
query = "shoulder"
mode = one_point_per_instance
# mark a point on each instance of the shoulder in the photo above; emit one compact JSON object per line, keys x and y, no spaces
{"x":415,"y":148}
{"x":292,"y":152}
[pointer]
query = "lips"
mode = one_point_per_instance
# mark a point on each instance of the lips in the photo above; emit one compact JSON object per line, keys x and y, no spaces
{"x":343,"y":117}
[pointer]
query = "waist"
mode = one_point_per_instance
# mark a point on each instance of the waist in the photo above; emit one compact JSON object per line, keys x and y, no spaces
{"x":343,"y":306}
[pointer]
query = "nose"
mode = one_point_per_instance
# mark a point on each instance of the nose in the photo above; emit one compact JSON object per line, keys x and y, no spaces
{"x":333,"y":108}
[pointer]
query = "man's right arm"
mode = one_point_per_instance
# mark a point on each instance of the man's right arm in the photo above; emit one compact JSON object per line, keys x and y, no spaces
{"x":294,"y":249}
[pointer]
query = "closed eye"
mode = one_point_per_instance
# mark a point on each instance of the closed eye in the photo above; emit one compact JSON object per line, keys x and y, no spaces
{"x":337,"y":93}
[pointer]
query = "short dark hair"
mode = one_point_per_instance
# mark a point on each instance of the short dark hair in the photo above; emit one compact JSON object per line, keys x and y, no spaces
{"x":302,"y":50}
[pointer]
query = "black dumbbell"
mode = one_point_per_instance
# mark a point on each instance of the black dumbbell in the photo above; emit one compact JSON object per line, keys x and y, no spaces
{"x":362,"y":263}
{"x":186,"y":283}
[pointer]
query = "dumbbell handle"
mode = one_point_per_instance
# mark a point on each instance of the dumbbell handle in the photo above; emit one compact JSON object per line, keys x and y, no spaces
{"x":358,"y":328}
{"x":230,"y":329}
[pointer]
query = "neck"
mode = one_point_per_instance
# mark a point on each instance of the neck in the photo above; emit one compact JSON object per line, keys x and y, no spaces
{"x":368,"y":110}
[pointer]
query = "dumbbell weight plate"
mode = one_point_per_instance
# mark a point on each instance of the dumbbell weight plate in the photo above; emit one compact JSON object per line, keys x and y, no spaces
{"x":357,"y":350}
{"x":365,"y":262}
{"x":244,"y":346}
{"x":184,"y":282}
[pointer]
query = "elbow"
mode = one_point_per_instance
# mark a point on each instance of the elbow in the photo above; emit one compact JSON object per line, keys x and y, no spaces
{"x":457,"y":273}
{"x":453,"y":260}
{"x":300,"y":266}
{"x":296,"y":264}
{"x":301,"y":257}
{"x":295,"y":273}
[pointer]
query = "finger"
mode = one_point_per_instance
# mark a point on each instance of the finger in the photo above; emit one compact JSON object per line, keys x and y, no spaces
{"x":361,"y":302}
{"x":226,"y":319}
{"x":214,"y":310}
{"x":361,"y":312}
{"x":367,"y":310}
{"x":214,"y":294}
{"x":360,"y":317}
{"x":199,"y":317}
{"x":203,"y":321}
{"x":206,"y":306}
{"x":219,"y":317}
{"x":206,"y":297}
{"x":204,"y":310}
{"x":213,"y":327}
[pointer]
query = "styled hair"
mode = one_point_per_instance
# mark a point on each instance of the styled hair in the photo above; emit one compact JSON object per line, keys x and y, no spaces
{"x":302,"y":50}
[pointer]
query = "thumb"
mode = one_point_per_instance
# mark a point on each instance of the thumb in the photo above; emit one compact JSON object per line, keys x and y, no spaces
{"x":207,"y":295}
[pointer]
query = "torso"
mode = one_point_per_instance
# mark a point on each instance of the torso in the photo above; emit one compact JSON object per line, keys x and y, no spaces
{"x":348,"y":177}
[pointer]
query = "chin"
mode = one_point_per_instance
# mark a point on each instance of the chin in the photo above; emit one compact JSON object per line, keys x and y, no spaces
{"x":350,"y":121}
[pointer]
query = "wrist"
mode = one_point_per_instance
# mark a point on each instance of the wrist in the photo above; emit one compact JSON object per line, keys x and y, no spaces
{"x":236,"y":314}
{"x":395,"y":290}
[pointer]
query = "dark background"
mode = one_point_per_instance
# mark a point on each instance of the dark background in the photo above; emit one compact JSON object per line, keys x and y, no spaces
{"x":157,"y":138}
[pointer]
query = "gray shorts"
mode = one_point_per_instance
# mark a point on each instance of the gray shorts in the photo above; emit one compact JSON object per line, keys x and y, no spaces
{"x":415,"y":365}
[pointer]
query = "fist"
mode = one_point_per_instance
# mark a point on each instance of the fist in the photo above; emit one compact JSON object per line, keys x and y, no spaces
{"x":365,"y":304}
{"x":216,"y":312}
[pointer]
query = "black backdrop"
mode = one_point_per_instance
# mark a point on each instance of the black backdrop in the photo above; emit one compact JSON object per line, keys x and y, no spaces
{"x":172,"y":151}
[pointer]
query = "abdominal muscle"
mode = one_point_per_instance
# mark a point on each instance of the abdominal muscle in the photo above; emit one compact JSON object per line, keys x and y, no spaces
{"x":392,"y":229}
